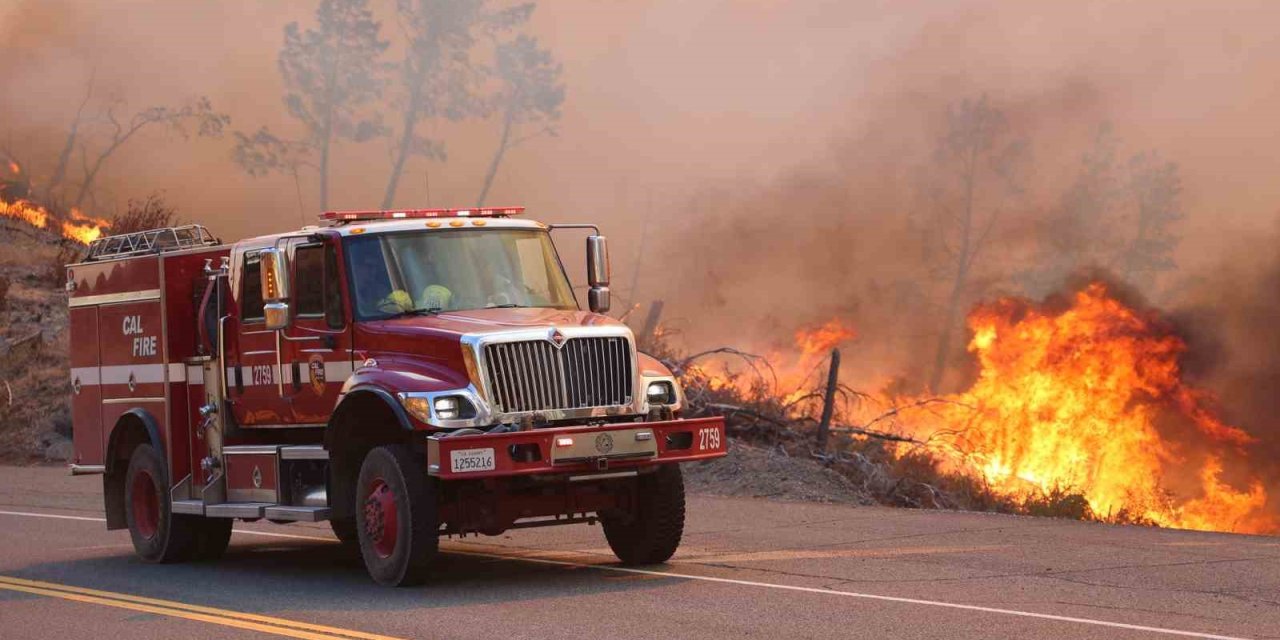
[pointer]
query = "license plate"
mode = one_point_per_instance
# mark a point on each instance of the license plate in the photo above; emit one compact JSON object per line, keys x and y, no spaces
{"x":468,"y":460}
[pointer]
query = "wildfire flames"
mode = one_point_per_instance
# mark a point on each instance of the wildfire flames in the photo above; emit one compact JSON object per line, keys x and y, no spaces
{"x":79,"y":227}
{"x":788,"y":371}
{"x":1090,"y":399}
{"x":1084,"y":397}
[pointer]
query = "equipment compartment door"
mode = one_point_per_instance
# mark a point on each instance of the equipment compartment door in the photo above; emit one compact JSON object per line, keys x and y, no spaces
{"x":86,"y":390}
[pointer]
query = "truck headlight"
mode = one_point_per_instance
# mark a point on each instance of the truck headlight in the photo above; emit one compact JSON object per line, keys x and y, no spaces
{"x":432,"y":410}
{"x":448,"y":407}
{"x":661,"y":392}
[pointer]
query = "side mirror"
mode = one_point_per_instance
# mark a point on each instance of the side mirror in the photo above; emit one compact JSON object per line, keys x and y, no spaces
{"x":275,"y":288}
{"x":598,"y":274}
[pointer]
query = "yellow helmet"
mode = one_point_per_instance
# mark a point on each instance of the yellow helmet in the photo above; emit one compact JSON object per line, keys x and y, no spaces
{"x":397,"y":301}
{"x":435,"y":297}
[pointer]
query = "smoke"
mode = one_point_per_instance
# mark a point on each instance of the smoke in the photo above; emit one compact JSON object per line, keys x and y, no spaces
{"x":762,"y":166}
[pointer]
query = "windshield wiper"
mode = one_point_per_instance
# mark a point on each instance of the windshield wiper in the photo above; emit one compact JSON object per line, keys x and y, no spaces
{"x":427,"y":311}
{"x":509,"y":305}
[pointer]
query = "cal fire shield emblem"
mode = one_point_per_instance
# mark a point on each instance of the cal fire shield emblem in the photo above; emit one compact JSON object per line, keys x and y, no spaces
{"x":604,"y":443}
{"x":316,"y":367}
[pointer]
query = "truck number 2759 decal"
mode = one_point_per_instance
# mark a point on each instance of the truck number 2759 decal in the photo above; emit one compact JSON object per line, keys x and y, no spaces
{"x":708,"y":439}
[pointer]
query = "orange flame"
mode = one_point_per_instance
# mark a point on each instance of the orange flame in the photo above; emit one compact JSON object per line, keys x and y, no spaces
{"x":31,"y":214}
{"x":1091,"y":398}
{"x":14,"y":168}
{"x":81,"y":228}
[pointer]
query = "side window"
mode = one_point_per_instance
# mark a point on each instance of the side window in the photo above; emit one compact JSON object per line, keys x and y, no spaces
{"x":308,"y":281}
{"x":332,"y":291}
{"x":251,"y":288}
{"x":315,"y":281}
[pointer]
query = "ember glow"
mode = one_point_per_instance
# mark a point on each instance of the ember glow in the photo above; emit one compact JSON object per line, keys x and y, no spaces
{"x":1090,"y":398}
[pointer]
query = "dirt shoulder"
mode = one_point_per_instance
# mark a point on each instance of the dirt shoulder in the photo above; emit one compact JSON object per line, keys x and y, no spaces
{"x":751,"y":471}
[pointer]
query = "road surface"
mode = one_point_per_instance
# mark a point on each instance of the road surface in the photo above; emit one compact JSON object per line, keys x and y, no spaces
{"x":748,"y":568}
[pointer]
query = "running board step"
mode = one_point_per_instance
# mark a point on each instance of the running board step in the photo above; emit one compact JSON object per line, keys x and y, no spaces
{"x":191,"y":507}
{"x":297,"y":514}
{"x":252,"y":510}
{"x":237,"y":509}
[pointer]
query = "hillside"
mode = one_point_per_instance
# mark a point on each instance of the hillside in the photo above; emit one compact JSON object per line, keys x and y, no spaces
{"x":35,"y":421}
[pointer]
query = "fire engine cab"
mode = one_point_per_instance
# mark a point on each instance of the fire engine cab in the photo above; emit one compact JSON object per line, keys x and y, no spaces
{"x":404,"y":375}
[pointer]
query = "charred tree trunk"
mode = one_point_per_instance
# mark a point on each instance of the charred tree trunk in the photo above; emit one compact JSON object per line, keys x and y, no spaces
{"x":829,"y":401}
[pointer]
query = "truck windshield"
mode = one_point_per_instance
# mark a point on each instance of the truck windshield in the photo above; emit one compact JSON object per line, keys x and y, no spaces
{"x":432,"y":271}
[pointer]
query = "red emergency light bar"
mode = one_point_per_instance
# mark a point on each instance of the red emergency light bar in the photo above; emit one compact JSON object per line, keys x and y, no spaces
{"x":405,"y":214}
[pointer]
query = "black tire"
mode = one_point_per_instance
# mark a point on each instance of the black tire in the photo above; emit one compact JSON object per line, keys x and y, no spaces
{"x":396,"y":516}
{"x":158,"y":534}
{"x":651,"y":532}
{"x":345,"y":530}
{"x":212,"y":537}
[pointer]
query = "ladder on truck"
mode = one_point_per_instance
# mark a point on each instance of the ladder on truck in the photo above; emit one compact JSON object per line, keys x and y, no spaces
{"x":150,"y":241}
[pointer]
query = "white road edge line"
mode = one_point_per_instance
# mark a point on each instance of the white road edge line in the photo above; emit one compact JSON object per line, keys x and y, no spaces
{"x":745,"y":583}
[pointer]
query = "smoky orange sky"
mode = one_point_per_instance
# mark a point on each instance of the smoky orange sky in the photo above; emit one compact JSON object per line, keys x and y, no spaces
{"x":687,"y":119}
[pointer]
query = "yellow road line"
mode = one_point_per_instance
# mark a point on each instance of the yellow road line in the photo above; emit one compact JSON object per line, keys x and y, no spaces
{"x":237,"y":619}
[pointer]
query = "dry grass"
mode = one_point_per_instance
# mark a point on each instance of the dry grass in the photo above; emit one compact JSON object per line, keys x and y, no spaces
{"x":34,"y":385}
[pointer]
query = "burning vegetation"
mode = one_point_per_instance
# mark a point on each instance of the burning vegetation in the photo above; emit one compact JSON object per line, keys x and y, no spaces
{"x":74,"y":225}
{"x":1089,"y":396}
{"x":1078,"y":407}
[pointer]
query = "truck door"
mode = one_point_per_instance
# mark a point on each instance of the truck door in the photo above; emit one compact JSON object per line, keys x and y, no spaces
{"x":317,"y":345}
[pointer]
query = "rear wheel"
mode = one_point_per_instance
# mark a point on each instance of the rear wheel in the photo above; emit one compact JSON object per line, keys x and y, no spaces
{"x":158,"y":534}
{"x":396,"y":516}
{"x":651,"y":531}
{"x":212,"y":537}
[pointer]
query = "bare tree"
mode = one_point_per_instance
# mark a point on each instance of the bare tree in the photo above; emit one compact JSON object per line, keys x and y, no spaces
{"x":439,"y":77}
{"x":332,"y":73}
{"x":73,"y":132}
{"x":1080,"y":231}
{"x":529,"y":97}
{"x":976,"y":168}
{"x":1157,"y":191}
{"x":207,"y":122}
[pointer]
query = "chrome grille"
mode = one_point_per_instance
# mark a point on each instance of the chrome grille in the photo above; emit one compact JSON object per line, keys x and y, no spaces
{"x":536,"y":375}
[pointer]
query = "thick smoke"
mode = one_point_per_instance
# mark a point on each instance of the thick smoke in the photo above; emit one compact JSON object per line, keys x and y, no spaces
{"x":761,"y":166}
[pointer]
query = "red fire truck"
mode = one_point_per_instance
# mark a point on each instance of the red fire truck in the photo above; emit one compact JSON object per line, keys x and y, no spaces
{"x":404,"y":375}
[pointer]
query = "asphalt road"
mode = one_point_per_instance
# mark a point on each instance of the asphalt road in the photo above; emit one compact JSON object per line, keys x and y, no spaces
{"x":747,"y":569}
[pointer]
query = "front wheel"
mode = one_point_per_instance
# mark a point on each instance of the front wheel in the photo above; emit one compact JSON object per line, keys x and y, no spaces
{"x":396,"y":516}
{"x":650,"y":532}
{"x":158,"y":534}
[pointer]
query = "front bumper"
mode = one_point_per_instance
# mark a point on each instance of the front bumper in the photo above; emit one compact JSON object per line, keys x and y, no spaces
{"x":546,"y":451}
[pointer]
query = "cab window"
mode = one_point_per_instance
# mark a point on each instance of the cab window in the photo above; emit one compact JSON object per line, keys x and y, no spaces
{"x":316,"y":284}
{"x":251,"y":288}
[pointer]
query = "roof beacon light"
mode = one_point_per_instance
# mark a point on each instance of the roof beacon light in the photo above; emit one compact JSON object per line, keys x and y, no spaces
{"x":476,"y":212}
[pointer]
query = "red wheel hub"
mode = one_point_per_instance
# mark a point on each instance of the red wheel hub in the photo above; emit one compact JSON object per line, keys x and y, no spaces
{"x":381,"y":520}
{"x":145,"y":505}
